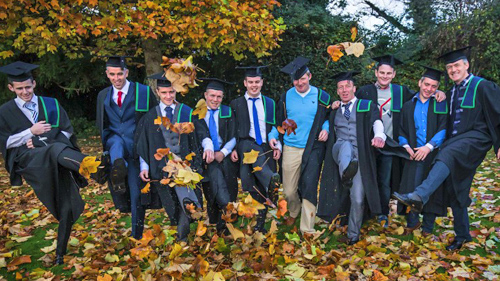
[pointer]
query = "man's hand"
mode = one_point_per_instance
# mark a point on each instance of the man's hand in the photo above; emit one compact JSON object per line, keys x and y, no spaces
{"x":378,"y":142}
{"x":440,"y":96}
{"x":323,"y":135}
{"x":208,"y":156}
{"x":234,"y":156}
{"x":144,"y":175}
{"x":421,"y":153}
{"x":335,"y":105}
{"x":219,"y":156}
{"x":276,"y":154}
{"x":40,"y":128}
{"x":29,"y":144}
{"x":273,"y":143}
{"x":410,"y":151}
{"x":498,"y":156}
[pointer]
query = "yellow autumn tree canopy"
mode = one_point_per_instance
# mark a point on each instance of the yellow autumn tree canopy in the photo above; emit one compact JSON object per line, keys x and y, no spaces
{"x":74,"y":27}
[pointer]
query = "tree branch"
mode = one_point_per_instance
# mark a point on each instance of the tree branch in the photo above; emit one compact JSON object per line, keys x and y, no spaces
{"x":388,"y":17}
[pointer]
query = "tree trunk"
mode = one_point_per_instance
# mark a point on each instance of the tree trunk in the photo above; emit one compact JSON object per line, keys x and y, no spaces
{"x":152,"y":55}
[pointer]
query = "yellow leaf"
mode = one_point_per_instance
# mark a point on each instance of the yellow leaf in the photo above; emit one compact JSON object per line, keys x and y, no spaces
{"x":88,"y":166}
{"x":354,"y":32}
{"x":189,"y":157}
{"x":145,"y":189}
{"x":141,"y":252}
{"x":201,"y":229}
{"x":201,"y":109}
{"x":249,"y":207}
{"x":236,"y":233}
{"x":250,"y":157}
{"x":256,"y":169}
{"x":158,"y":121}
{"x":200,"y":266}
{"x":176,"y":251}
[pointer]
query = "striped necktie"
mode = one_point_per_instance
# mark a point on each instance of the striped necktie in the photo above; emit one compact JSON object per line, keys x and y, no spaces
{"x":347,"y":112}
{"x":31,"y":106}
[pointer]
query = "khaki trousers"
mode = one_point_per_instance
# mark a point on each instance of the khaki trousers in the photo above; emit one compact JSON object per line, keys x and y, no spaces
{"x":292,"y":158}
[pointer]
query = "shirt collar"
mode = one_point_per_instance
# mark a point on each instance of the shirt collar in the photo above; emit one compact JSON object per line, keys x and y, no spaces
{"x":163,"y":106}
{"x":247,"y":96}
{"x":379,"y":87}
{"x":353,"y":101}
{"x":466,"y":80}
{"x":416,"y":97}
{"x":124,"y":89}
{"x":20,"y":102}
{"x":305,"y":93}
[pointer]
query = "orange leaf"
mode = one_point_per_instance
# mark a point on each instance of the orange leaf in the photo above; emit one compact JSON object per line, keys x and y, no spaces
{"x":201,"y":229}
{"x":354,"y":32}
{"x":145,"y":189}
{"x":282,"y":208}
{"x":378,"y":276}
{"x":20,"y":260}
{"x":289,"y":126}
{"x":165,"y":181}
{"x":191,"y":208}
{"x":256,"y":169}
{"x":335,"y":52}
{"x":158,"y":121}
{"x":106,"y":277}
{"x":147,"y":236}
{"x":281,"y":130}
{"x":161,"y":152}
{"x":200,"y":266}
{"x":189,"y":157}
{"x":326,"y":269}
{"x":249,"y":207}
{"x":141,"y":252}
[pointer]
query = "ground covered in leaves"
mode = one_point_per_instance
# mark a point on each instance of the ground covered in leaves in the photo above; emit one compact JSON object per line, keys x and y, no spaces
{"x":100,"y":247}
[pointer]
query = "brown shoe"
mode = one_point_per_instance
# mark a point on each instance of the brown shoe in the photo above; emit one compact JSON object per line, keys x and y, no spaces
{"x":426,"y":234}
{"x":290,"y":221}
{"x":409,"y":230}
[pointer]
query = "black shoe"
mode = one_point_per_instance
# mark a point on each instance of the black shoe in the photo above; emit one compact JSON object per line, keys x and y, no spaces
{"x":119,"y":176}
{"x":261,"y":222}
{"x":456,"y":245}
{"x":415,"y":205}
{"x":102,"y":174}
{"x":59,"y":260}
{"x":352,"y":241}
{"x":273,"y":189}
{"x":349,"y":173}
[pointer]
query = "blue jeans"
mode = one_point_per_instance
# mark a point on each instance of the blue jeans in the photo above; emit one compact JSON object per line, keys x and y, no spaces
{"x":384,"y":169}
{"x":428,"y":220}
{"x":436,"y":177}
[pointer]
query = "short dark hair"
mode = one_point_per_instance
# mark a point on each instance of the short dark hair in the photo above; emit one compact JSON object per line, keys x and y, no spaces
{"x":11,"y":80}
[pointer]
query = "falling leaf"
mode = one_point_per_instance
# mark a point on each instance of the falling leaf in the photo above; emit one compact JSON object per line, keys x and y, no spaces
{"x":190,"y":156}
{"x":158,"y":121}
{"x":201,"y":109}
{"x":250,"y":157}
{"x":249,"y":207}
{"x":289,"y":126}
{"x":335,"y":52}
{"x":183,"y":128}
{"x":145,"y":189}
{"x":354,"y":32}
{"x":235,"y":233}
{"x":201,"y":229}
{"x":256,"y":169}
{"x":356,"y":49}
{"x":88,"y":166}
{"x":161,"y":152}
{"x":164,"y":181}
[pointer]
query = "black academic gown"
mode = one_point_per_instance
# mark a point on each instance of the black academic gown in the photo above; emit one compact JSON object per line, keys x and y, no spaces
{"x":56,"y":187}
{"x":369,"y":92}
{"x":227,"y":131}
{"x":149,"y":139}
{"x":314,"y":152}
{"x":478,"y":130}
{"x":242,"y":118}
{"x":102,"y":123}
{"x":435,"y":123}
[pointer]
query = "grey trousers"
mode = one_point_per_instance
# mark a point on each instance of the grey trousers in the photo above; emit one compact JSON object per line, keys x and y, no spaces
{"x":343,"y":152}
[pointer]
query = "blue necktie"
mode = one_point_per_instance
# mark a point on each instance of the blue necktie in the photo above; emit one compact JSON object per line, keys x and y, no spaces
{"x":256,"y":125}
{"x":212,"y":128}
{"x":347,"y":112}
{"x":169,"y":113}
{"x":31,"y":107}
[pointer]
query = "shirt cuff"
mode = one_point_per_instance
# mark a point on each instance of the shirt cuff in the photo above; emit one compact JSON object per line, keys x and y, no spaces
{"x":67,"y":134}
{"x":207,"y":144}
{"x":378,"y":130}
{"x":279,"y":146}
{"x":406,"y":146}
{"x":430,"y":146}
{"x":225,"y":151}
{"x":144,"y":165}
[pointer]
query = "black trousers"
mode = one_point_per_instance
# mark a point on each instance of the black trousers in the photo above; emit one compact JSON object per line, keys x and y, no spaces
{"x":217,"y":194}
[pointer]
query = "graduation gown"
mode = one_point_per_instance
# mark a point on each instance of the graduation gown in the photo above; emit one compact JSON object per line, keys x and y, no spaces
{"x":150,"y":138}
{"x":400,"y":95}
{"x":227,"y":131}
{"x":437,"y":116}
{"x":314,"y":151}
{"x":478,"y":130}
{"x":56,"y":187}
{"x":242,"y":118}
{"x":143,"y":100}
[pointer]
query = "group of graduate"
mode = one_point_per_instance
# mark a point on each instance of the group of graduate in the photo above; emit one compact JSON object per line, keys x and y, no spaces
{"x":423,"y":147}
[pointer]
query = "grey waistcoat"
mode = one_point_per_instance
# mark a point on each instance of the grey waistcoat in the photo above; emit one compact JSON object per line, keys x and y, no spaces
{"x":346,"y":130}
{"x":171,"y":138}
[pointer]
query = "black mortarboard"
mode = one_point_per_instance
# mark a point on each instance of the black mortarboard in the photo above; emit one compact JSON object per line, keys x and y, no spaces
{"x":348,"y":75}
{"x":252,"y":71}
{"x":18,"y":71}
{"x":116,"y":61}
{"x":215,"y":83}
{"x":161,"y":80}
{"x":387,"y":59}
{"x":432,"y":73}
{"x":297,"y":68}
{"x":455,"y":55}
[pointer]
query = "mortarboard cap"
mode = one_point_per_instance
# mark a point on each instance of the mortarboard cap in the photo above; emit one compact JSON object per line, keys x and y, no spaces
{"x":432,"y":73}
{"x":18,"y":71}
{"x":348,"y":75}
{"x":455,"y":55}
{"x":161,"y":80}
{"x":116,"y":61}
{"x":297,"y":68}
{"x":387,"y":59}
{"x":215,"y":83}
{"x":252,"y":71}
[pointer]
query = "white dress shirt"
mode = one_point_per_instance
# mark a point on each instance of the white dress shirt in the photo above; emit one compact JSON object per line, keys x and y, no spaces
{"x":262,"y":118}
{"x":207,"y":143}
{"x":22,"y":137}
{"x":124,"y":90}
{"x":378,"y":126}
